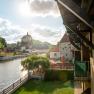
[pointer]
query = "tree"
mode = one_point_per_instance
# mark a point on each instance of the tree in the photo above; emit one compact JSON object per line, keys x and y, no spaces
{"x":3,"y":43}
{"x":36,"y":62}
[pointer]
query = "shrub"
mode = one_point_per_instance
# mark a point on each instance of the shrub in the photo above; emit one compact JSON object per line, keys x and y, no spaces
{"x":62,"y":75}
{"x":34,"y":61}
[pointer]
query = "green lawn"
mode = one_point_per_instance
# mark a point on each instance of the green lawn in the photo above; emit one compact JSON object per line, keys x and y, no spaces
{"x":42,"y":87}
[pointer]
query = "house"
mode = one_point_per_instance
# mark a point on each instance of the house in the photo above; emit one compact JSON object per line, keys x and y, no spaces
{"x":55,"y":53}
{"x":78,"y":18}
{"x":66,"y":48}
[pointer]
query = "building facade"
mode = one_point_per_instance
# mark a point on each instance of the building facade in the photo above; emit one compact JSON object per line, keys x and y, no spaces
{"x":55,"y":53}
{"x":26,"y":42}
{"x":78,"y":18}
{"x":66,"y":48}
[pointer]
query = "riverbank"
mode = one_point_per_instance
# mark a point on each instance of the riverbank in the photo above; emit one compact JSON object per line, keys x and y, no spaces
{"x":10,"y":71}
{"x":8,"y":58}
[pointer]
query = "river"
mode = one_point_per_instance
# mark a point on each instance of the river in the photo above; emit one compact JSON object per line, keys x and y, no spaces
{"x":10,"y":71}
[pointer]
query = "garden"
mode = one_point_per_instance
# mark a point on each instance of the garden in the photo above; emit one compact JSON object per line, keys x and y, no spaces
{"x":46,"y":87}
{"x":54,"y":82}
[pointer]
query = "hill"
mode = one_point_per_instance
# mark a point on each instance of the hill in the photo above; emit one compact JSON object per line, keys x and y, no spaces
{"x":36,"y":44}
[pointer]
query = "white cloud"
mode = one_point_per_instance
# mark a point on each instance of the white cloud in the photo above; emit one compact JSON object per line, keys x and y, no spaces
{"x":43,"y":30}
{"x":42,"y":8}
{"x":45,"y":33}
{"x":10,"y":31}
{"x":13,"y":33}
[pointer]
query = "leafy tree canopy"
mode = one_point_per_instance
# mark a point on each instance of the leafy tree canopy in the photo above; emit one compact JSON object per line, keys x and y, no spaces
{"x":35,"y":61}
{"x":2,"y":43}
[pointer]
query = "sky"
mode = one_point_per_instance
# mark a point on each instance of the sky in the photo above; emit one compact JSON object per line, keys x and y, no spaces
{"x":40,"y":18}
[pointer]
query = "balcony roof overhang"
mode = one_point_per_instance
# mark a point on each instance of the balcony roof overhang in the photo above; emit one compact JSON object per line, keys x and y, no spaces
{"x":73,"y":15}
{"x":77,"y":11}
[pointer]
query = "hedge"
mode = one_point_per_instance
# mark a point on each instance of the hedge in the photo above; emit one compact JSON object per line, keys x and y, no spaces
{"x":61,"y":75}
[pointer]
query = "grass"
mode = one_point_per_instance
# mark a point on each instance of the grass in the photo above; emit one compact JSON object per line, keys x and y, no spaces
{"x":9,"y":53}
{"x":42,"y":87}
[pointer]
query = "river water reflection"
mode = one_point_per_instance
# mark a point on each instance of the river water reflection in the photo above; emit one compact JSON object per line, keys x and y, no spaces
{"x":10,"y":71}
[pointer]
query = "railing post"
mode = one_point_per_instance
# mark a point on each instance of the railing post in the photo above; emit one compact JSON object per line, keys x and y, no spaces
{"x":4,"y":91}
{"x":20,"y":80}
{"x":13,"y":85}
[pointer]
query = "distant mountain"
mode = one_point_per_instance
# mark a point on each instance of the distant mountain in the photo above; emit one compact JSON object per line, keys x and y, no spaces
{"x":36,"y":44}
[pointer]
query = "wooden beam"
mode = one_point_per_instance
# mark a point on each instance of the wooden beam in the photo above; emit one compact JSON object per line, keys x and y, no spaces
{"x":75,"y":45}
{"x":74,"y":37}
{"x":91,"y":53}
{"x":85,"y":31}
{"x":76,"y":11}
{"x":89,"y":43}
{"x":91,"y":36}
{"x":80,"y":41}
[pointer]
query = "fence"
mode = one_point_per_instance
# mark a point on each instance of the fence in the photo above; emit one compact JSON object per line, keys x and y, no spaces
{"x":62,"y":66}
{"x":15,"y":85}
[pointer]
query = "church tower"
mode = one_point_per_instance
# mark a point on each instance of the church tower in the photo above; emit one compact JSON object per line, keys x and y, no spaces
{"x":26,"y":41}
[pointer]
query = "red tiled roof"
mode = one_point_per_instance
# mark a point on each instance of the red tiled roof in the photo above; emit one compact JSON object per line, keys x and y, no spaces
{"x":65,"y":38}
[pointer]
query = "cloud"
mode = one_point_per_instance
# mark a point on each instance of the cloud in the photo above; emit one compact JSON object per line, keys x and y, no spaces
{"x":13,"y":33}
{"x":44,"y":7}
{"x":45,"y":33}
{"x":43,"y":30}
{"x":10,"y":31}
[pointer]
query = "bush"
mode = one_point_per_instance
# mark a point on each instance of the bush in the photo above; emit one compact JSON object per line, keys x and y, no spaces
{"x":61,"y":75}
{"x":34,"y":61}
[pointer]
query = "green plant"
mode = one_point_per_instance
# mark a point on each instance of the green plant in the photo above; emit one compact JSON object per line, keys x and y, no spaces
{"x":35,"y":61}
{"x":62,"y":75}
{"x":3,"y":43}
{"x":46,"y":87}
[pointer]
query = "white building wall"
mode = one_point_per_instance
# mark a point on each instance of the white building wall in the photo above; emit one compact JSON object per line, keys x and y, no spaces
{"x":55,"y":55}
{"x":66,"y":50}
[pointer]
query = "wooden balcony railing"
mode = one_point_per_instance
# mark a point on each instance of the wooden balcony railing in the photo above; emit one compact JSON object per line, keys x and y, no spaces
{"x":82,"y":78}
{"x":62,"y":66}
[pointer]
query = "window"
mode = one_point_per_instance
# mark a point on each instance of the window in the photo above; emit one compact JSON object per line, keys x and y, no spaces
{"x":55,"y":54}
